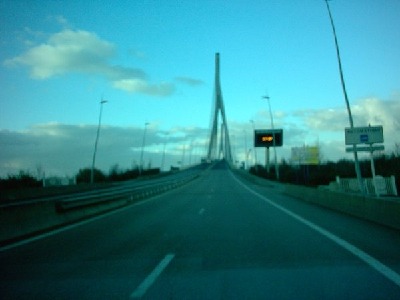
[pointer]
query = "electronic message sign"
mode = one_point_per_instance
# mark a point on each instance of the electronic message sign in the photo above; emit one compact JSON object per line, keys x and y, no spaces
{"x":268,"y":138}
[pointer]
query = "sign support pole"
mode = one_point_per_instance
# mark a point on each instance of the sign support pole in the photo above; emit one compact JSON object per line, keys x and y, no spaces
{"x":371,"y":148}
{"x":357,"y":164}
{"x":373,"y":171}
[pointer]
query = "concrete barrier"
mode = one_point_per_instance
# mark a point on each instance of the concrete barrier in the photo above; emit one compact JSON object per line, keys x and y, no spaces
{"x":17,"y":222}
{"x":384,"y":211}
{"x":379,"y":210}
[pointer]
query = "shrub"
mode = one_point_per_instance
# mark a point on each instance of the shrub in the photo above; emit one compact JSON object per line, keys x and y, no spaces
{"x":22,"y":180}
{"x":84,"y":175}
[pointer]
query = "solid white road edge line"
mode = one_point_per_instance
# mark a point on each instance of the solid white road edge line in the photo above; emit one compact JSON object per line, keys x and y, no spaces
{"x":151,"y":278}
{"x":368,"y":259}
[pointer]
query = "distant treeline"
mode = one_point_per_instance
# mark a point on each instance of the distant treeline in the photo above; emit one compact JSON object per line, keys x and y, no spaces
{"x":310,"y":175}
{"x":22,"y":180}
{"x":323,"y":174}
{"x":115,"y":174}
{"x":26,"y":180}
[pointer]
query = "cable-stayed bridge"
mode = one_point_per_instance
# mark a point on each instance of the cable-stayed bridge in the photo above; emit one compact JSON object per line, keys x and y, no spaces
{"x":218,"y":148}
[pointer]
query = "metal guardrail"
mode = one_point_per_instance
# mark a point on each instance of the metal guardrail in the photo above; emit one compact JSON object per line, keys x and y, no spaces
{"x":131,"y":194}
{"x":117,"y":189}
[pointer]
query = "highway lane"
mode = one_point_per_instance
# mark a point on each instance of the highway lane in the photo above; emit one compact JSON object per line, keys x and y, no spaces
{"x":212,"y":239}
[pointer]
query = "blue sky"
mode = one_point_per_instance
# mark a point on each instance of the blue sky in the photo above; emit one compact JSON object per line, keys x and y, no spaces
{"x":154,"y":62}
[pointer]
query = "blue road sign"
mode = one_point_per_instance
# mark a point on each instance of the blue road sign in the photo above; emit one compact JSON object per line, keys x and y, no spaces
{"x":364,"y":138}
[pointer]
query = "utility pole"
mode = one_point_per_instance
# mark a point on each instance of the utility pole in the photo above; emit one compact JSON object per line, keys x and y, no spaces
{"x":143,"y":145}
{"x":163,"y":155}
{"x":273,"y":140}
{"x":254,"y":149}
{"x":356,"y":162}
{"x":245,"y":151}
{"x":97,"y":140}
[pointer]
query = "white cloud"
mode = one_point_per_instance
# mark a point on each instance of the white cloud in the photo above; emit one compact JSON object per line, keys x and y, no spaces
{"x":377,"y":112}
{"x":369,"y":111}
{"x":323,"y":119}
{"x":62,"y":149}
{"x":328,"y":124}
{"x":137,"y":54}
{"x":79,"y":51}
{"x":189,"y":81}
{"x":62,"y":21}
{"x":66,"y":51}
{"x":142,"y":86}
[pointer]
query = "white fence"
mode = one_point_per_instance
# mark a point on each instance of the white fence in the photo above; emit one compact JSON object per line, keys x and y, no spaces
{"x":384,"y":186}
{"x":58,"y":181}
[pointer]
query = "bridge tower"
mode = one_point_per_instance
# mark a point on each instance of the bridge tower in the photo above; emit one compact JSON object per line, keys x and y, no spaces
{"x":224,"y":149}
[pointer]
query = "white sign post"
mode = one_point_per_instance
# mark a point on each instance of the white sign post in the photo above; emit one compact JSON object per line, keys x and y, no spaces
{"x":366,"y":135}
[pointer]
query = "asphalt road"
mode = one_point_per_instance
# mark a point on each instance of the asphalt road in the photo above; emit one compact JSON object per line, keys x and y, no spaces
{"x":219,"y":237}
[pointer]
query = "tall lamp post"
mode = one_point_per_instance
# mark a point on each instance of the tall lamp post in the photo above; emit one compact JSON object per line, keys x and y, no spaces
{"x":254,"y":148}
{"x":245,"y":151}
{"x":97,"y":140}
{"x":143,"y":145}
{"x":163,"y":155}
{"x":357,"y":164}
{"x":273,"y":135}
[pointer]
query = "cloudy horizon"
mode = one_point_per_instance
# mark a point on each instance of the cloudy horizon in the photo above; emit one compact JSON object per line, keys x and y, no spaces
{"x":155,"y":65}
{"x":62,"y":149}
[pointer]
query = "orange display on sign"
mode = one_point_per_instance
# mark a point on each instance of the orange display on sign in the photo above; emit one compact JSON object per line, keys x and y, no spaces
{"x":267,"y":138}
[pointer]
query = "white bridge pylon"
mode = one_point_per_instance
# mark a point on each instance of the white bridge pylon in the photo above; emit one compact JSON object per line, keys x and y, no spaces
{"x":223,"y":150}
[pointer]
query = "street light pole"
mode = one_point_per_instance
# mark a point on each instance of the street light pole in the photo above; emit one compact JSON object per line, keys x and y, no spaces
{"x":163,"y":155}
{"x":254,"y":149}
{"x":183,"y":155}
{"x":357,"y":164}
{"x":245,"y":150}
{"x":273,"y":137}
{"x":143,"y":145}
{"x":97,"y":140}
